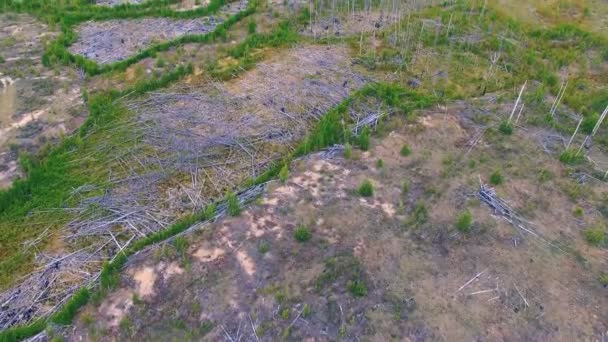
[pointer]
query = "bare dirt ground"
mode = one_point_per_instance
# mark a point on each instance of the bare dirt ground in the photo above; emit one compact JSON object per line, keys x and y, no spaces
{"x":114,"y":40}
{"x":387,"y":267}
{"x":36,"y":104}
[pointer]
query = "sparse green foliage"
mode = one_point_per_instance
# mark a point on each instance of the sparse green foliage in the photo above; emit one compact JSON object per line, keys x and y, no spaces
{"x":160,"y":63}
{"x":363,"y":139}
{"x":252,"y":26}
{"x":506,"y":128}
{"x":405,"y":187}
{"x":496,"y":178}
{"x":405,"y":150}
{"x":419,"y":216}
{"x":578,"y":211}
{"x":379,"y":163}
{"x":234,"y":206}
{"x":544,"y":175}
{"x":595,"y":235}
{"x":306,"y":310}
{"x":181,"y":245}
{"x":125,"y":325}
{"x":366,"y":189}
{"x":302,"y":233}
{"x":285,"y":313}
{"x":464,"y":222}
{"x":284,"y":173}
{"x":264,"y":247}
{"x":357,"y":288}
{"x":209,"y":212}
{"x":348,"y":151}
{"x":603,"y":278}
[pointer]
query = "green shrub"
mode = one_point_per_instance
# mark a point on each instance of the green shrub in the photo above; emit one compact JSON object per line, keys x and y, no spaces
{"x":366,"y":189}
{"x":379,"y":163}
{"x":464,"y":222}
{"x":496,"y":178}
{"x":595,"y":235}
{"x":1,"y":59}
{"x":363,"y":139}
{"x":405,"y":150}
{"x":160,"y":63}
{"x":506,"y":128}
{"x":234,"y":206}
{"x":302,"y":233}
{"x":284,"y":173}
{"x":357,"y":288}
{"x":578,"y":211}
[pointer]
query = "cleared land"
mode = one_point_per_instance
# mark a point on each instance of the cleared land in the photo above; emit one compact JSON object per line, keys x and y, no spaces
{"x":468,"y":200}
{"x":390,"y":266}
{"x":187,"y":146}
